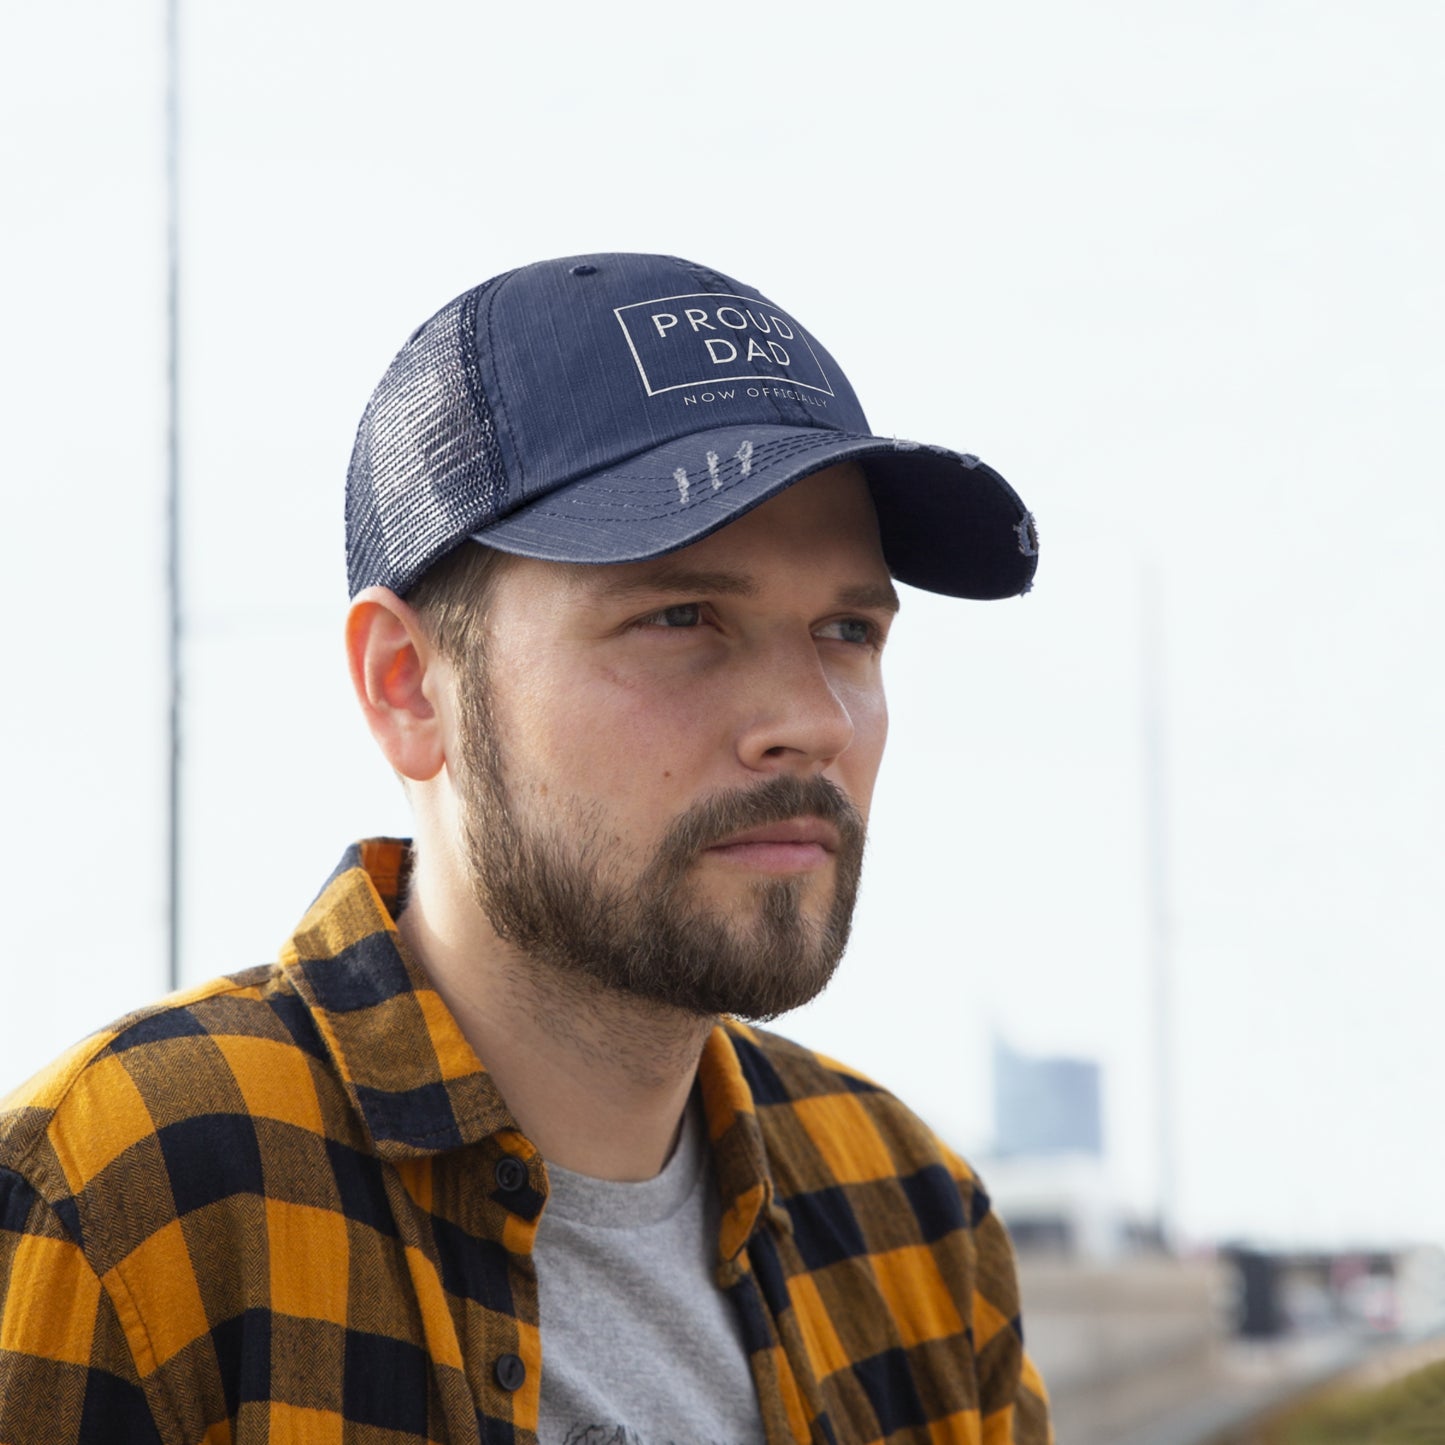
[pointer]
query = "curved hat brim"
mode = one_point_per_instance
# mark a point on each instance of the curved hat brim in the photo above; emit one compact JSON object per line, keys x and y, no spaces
{"x":948,"y":522}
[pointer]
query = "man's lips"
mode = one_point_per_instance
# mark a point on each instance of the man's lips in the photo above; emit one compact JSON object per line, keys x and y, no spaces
{"x":793,"y":846}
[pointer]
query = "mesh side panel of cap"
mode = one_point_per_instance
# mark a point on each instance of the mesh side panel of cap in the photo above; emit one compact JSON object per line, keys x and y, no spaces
{"x":426,"y":470}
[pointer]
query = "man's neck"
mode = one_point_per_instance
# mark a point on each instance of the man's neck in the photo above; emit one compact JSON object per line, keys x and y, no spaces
{"x":597,"y":1079}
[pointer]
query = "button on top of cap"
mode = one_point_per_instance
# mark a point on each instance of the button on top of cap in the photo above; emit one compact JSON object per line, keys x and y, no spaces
{"x":510,"y":1173}
{"x":585,"y":269}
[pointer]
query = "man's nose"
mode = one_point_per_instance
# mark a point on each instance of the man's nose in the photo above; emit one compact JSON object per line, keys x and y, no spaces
{"x":793,"y":718}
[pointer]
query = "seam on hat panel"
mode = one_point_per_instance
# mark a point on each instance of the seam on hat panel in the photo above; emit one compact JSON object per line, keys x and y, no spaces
{"x":491,"y":300}
{"x":711,"y":280}
{"x":466,"y":321}
{"x":471,"y":368}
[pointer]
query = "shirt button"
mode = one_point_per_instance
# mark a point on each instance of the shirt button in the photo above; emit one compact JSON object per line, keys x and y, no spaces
{"x":511,"y":1372}
{"x":510,"y":1174}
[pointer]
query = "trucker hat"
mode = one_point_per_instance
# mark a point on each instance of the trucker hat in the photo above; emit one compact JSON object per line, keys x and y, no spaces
{"x":616,"y":407}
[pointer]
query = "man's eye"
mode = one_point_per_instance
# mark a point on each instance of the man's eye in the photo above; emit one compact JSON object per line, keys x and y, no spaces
{"x":682,"y":614}
{"x":848,"y":629}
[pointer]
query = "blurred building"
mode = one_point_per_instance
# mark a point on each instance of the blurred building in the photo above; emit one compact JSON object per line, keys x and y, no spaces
{"x":1046,"y":1167}
{"x":1044,"y":1106}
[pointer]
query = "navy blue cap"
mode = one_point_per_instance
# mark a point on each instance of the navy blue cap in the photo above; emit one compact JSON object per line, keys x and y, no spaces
{"x":612,"y":408}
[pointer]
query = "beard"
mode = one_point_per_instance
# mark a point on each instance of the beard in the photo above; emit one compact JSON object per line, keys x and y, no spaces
{"x":550,"y":889}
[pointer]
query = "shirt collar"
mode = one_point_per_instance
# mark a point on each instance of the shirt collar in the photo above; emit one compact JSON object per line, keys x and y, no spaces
{"x":413,"y":1079}
{"x":411,"y":1075}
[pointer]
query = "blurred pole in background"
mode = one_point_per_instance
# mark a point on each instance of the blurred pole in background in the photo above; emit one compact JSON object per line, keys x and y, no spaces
{"x":1160,"y":938}
{"x":173,"y":498}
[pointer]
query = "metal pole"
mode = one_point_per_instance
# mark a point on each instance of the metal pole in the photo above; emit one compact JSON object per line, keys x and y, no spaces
{"x":1161,"y":942}
{"x":173,"y":478}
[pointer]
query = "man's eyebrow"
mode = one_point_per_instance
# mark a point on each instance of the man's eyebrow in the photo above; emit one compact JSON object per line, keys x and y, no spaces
{"x":871,"y":596}
{"x":685,"y":581}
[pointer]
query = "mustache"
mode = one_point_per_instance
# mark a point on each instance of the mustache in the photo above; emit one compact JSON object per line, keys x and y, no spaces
{"x":715,"y":818}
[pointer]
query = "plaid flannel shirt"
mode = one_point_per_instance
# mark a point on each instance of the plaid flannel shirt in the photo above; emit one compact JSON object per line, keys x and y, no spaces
{"x":290,"y":1205}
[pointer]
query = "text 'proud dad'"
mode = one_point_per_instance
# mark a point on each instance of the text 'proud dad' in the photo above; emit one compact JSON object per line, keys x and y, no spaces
{"x":734,"y":328}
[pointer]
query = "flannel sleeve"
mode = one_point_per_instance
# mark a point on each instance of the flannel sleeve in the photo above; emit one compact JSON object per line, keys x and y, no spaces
{"x":67,"y":1374}
{"x":1012,"y":1399}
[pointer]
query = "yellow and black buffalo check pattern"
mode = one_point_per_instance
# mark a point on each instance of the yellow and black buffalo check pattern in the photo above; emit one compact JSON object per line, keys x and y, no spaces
{"x":291,"y":1206}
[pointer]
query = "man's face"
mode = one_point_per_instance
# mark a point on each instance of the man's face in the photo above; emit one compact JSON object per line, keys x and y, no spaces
{"x":664,"y":767}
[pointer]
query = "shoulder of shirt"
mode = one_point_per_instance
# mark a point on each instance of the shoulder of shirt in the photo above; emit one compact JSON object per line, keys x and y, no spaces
{"x":86,"y":1092}
{"x":837,"y":1105}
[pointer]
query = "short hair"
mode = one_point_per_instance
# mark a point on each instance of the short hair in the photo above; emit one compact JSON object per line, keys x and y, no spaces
{"x":450,"y":598}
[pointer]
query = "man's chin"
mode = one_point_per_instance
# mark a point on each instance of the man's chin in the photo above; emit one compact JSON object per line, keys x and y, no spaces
{"x":727,"y":892}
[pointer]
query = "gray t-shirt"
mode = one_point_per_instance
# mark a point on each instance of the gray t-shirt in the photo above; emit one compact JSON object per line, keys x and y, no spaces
{"x":639,"y":1346}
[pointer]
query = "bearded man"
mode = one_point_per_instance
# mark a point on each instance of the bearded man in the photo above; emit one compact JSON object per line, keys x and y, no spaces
{"x":489,"y":1154}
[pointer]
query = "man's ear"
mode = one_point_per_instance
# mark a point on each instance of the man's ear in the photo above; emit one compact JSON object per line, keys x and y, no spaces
{"x":398,"y":677}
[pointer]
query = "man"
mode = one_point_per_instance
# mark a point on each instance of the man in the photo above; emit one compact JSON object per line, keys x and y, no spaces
{"x":487,"y":1155}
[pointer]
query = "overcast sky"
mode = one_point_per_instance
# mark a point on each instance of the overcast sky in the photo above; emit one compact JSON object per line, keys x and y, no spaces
{"x":1174,"y":270}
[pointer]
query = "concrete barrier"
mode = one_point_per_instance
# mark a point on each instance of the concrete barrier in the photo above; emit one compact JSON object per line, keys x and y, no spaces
{"x":1123,"y":1344}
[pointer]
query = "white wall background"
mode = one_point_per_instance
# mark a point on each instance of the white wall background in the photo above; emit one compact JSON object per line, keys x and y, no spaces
{"x":1174,"y":270}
